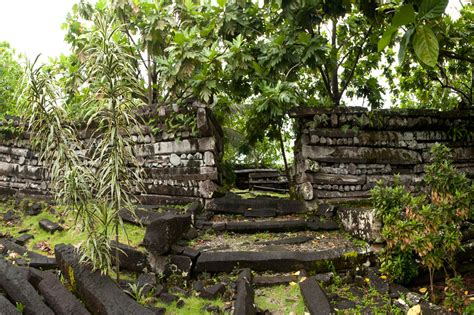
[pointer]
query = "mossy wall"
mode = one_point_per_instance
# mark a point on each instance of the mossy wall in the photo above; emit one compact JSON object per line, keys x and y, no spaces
{"x":181,"y":166}
{"x":341,"y":153}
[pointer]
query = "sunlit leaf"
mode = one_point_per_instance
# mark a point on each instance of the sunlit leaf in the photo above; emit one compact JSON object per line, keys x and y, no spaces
{"x":426,"y":45}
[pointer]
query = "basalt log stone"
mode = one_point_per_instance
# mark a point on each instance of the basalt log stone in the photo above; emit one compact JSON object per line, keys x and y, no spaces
{"x":162,"y":233}
{"x":99,"y":293}
{"x":231,"y":204}
{"x":26,"y":257}
{"x":130,"y":258}
{"x":244,"y":300}
{"x":139,"y":216}
{"x":362,"y":155}
{"x":280,"y":261}
{"x":59,"y":299}
{"x":7,"y":308}
{"x":13,"y":281}
{"x":314,"y":297}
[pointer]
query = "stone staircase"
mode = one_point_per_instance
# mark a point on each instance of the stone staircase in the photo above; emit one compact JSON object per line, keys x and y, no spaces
{"x":271,"y":234}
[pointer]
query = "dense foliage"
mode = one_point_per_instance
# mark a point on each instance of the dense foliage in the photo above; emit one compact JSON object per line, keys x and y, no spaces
{"x":11,"y":73}
{"x":425,"y":227}
{"x":435,"y":54}
{"x":91,"y":176}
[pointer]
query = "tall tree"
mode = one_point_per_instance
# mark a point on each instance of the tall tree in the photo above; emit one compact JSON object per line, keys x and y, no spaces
{"x":11,"y":73}
{"x":435,"y":54}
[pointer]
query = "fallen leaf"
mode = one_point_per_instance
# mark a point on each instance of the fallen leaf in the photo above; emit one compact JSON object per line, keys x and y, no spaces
{"x":296,"y":273}
{"x":422,"y":290}
{"x":384,"y":277}
{"x":302,"y":279}
{"x":415,"y":310}
{"x":292,"y":283}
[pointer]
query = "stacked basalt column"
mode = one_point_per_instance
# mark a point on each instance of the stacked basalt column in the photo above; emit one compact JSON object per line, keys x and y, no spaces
{"x":341,"y":153}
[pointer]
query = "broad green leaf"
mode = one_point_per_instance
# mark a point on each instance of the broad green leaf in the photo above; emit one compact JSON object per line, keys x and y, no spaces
{"x":179,"y":38}
{"x":426,"y":45}
{"x":405,"y":15}
{"x":221,"y":3}
{"x":386,"y":38}
{"x":430,"y":9}
{"x":404,"y":45}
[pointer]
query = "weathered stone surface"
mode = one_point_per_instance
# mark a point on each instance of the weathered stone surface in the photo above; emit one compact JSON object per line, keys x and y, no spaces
{"x":130,"y":258}
{"x":6,"y":307}
{"x":26,"y":257}
{"x":213,"y":291}
{"x":147,"y":199}
{"x":34,"y":209}
{"x":175,"y":159}
{"x":182,"y":157}
{"x":280,"y":261}
{"x":22,"y":239}
{"x":244,"y":300}
{"x":146,"y":281}
{"x":361,"y":155}
{"x":335,"y":179}
{"x":266,"y":226}
{"x":182,"y":263}
{"x":266,"y":281}
{"x":184,"y":146}
{"x":14,"y":282}
{"x":288,"y":241}
{"x":260,"y":213}
{"x":165,"y":231}
{"x":140,"y":217}
{"x":317,"y":223}
{"x":59,"y":299}
{"x":381,"y":285}
{"x":98,"y":292}
{"x":361,"y":222}
{"x":207,"y":188}
{"x":49,"y":226}
{"x":305,"y":190}
{"x":326,"y":210}
{"x":314,"y":298}
{"x":323,"y":194}
{"x":236,"y":205}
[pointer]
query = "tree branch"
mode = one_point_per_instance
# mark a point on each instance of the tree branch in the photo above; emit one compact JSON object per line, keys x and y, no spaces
{"x":447,"y":85}
{"x":325,"y":80}
{"x":456,"y":56}
{"x":356,"y":61}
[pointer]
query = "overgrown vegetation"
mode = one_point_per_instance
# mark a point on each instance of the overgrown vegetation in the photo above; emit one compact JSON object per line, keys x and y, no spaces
{"x":425,"y":227}
{"x":91,"y":176}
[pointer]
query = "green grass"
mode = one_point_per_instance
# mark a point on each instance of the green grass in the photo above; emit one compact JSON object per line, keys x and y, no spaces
{"x":281,"y":299}
{"x":192,"y":305}
{"x":70,"y":235}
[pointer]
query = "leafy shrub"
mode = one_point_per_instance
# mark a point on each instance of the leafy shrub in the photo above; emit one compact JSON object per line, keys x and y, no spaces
{"x":426,"y":226}
{"x":454,"y":294}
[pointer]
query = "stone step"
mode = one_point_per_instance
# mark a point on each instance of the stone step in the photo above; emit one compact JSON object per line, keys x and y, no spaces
{"x":282,"y":261}
{"x":275,"y":226}
{"x":233,"y":204}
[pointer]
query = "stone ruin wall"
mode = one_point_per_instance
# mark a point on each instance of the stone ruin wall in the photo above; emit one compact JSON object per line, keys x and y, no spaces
{"x":180,"y":168}
{"x":340,"y":154}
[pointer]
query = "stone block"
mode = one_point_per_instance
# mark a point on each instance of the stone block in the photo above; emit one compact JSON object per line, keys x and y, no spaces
{"x":361,"y":223}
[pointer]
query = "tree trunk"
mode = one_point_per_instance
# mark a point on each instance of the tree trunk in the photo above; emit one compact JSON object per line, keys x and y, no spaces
{"x":117,"y":257}
{"x":150,"y":83}
{"x":334,"y":77}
